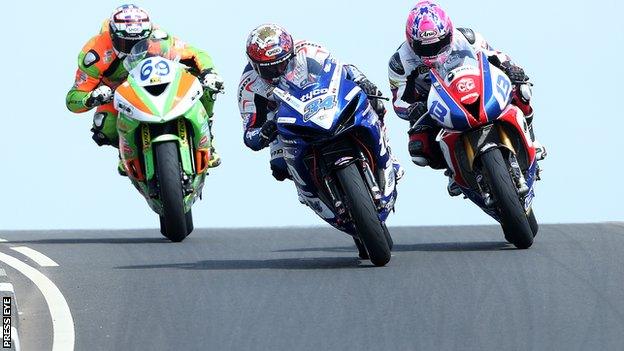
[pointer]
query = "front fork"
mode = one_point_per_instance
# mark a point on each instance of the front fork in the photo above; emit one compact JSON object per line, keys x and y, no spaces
{"x":334,"y":192}
{"x":514,"y":167}
{"x":185,"y":157}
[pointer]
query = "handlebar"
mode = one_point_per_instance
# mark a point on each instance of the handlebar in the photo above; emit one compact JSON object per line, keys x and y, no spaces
{"x":378,"y":97}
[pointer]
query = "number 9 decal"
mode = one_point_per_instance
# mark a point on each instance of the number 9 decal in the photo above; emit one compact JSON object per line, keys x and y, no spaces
{"x":161,"y":68}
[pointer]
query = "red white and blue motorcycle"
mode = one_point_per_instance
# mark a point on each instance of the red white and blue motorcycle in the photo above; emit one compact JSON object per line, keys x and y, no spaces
{"x":486,"y":141}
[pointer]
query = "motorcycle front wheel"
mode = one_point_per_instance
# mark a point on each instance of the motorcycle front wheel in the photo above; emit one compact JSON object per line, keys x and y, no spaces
{"x":364,"y":214}
{"x":173,"y":222}
{"x":512,"y":216}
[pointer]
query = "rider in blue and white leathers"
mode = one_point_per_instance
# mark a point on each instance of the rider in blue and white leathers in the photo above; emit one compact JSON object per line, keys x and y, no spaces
{"x":258,"y":105}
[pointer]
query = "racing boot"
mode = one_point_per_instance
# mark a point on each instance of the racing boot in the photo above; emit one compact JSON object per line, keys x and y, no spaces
{"x":399,"y":172}
{"x":452,"y":187}
{"x":522,"y":99}
{"x":215,"y":159}
{"x":540,"y":150}
{"x":208,"y":100}
{"x":121,"y":169}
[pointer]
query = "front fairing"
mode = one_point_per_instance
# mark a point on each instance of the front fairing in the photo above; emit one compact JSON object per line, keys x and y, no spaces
{"x":157,"y":90}
{"x":318,"y":114}
{"x":323,"y":108}
{"x":173,"y":113}
{"x":509,"y":133}
{"x":467,"y":92}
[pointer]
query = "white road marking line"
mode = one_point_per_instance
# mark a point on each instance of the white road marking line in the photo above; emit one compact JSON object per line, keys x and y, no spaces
{"x":3,"y":240}
{"x":15,"y":337}
{"x":41,"y":259}
{"x":6,"y":287}
{"x":62,"y":320}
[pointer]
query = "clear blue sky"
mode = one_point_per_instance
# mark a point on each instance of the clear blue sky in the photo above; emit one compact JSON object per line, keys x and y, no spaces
{"x":54,"y":176}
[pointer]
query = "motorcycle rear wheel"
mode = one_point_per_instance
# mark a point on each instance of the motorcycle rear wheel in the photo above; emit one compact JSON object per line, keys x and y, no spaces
{"x":512,"y":216}
{"x":173,"y":223}
{"x":364,"y":214}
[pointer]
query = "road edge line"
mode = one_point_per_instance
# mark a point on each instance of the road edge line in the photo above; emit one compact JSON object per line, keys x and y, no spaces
{"x":62,"y":321}
{"x":38,"y":257}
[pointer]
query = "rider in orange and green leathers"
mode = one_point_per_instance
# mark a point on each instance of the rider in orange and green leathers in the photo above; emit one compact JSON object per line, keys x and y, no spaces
{"x":101,"y":70}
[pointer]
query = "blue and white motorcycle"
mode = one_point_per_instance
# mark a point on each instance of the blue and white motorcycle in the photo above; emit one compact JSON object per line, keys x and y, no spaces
{"x":337,"y":155}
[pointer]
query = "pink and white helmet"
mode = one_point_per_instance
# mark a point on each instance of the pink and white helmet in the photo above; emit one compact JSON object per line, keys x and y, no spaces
{"x":429,"y":32}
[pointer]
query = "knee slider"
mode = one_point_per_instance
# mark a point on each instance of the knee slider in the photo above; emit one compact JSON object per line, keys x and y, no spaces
{"x":424,"y":150}
{"x":418,"y":144}
{"x":279,"y":173}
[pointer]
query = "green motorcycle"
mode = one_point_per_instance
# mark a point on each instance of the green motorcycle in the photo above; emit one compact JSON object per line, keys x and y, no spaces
{"x":164,"y":135}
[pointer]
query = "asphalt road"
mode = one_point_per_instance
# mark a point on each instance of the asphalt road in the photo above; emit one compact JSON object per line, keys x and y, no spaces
{"x":446,"y":288}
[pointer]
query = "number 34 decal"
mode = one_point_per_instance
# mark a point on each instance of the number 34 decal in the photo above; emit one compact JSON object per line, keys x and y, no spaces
{"x":314,"y":107}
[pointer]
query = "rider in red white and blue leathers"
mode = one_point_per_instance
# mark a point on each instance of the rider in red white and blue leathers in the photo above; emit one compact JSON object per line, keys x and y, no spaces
{"x":431,"y":38}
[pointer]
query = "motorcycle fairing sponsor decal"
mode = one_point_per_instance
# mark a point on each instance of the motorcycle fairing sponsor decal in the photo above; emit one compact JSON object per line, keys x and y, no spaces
{"x":496,"y":89}
{"x":321,"y":109}
{"x":182,"y":91}
{"x":443,"y":108}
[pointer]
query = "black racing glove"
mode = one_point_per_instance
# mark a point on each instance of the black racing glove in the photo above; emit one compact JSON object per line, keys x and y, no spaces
{"x":368,"y":87}
{"x":268,"y":132}
{"x":417,"y":110}
{"x":516,"y":74}
{"x":371,"y":90}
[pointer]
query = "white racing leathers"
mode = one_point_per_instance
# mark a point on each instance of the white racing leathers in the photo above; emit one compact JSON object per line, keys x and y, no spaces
{"x":409,"y":76}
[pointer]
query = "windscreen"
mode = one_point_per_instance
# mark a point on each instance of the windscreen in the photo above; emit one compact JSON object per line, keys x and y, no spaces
{"x":304,"y":72}
{"x":458,"y":61}
{"x":149,"y":48}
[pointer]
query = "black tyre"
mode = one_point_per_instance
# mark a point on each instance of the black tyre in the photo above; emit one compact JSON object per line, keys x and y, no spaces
{"x":388,"y":236}
{"x":512,"y":216}
{"x":533,"y":222}
{"x":362,"y":253}
{"x":364,"y":214}
{"x":189,"y":222}
{"x":173,"y":220}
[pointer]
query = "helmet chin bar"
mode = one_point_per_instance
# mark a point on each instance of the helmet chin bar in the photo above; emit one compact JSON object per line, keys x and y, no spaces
{"x":123,"y":46}
{"x":273,"y":70}
{"x":119,"y":54}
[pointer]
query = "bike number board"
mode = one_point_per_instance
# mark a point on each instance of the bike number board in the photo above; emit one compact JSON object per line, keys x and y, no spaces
{"x":156,"y":71}
{"x":318,"y":105}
